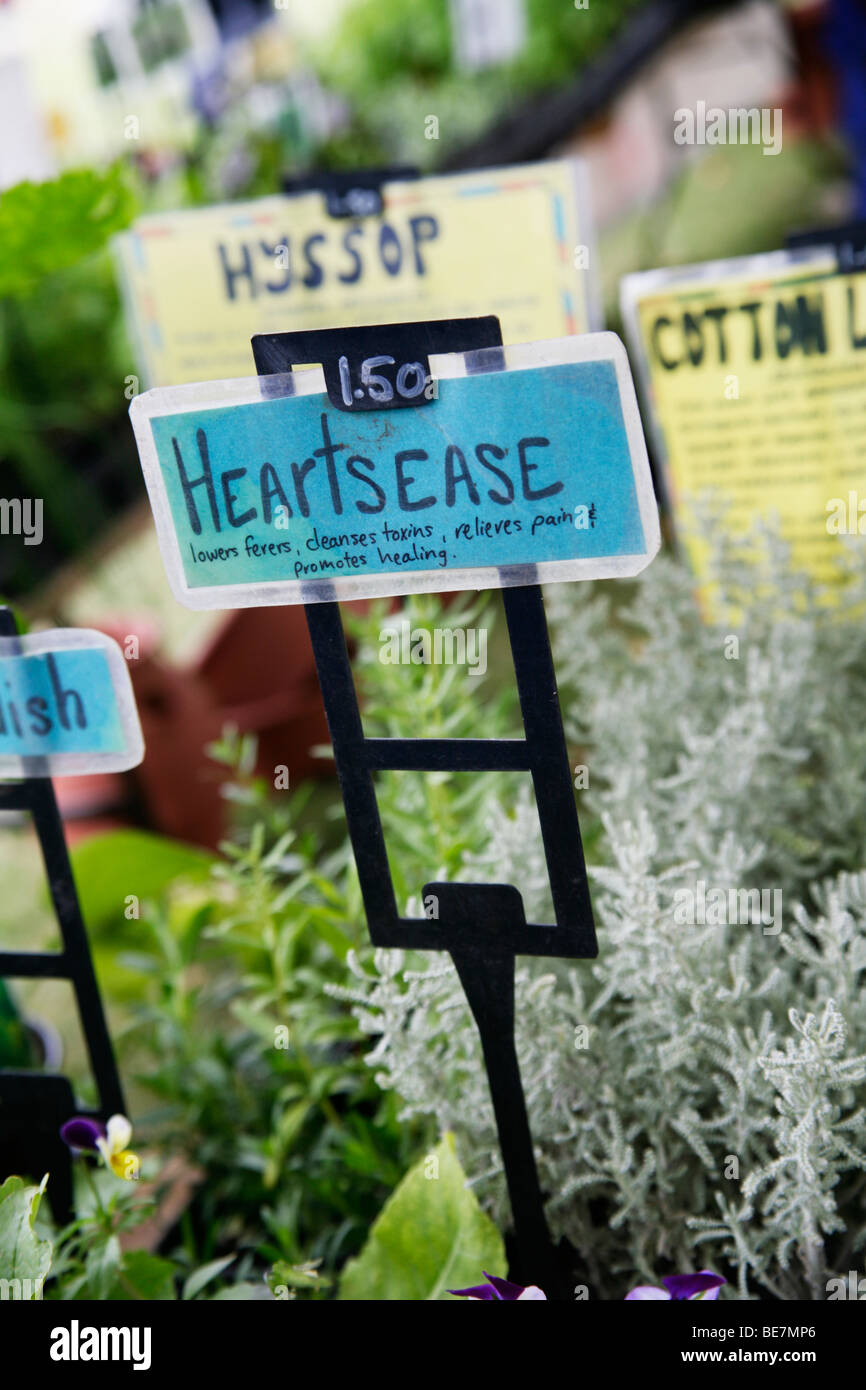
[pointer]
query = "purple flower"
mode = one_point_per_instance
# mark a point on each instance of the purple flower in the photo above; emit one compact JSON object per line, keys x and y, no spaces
{"x":81,"y":1133}
{"x":680,"y":1287}
{"x":499,"y":1290}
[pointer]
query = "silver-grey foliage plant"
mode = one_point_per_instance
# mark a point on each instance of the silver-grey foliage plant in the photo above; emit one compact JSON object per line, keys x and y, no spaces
{"x":696,"y":1093}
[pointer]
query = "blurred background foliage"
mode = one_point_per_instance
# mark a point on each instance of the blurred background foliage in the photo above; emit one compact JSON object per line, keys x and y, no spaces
{"x":391,"y":59}
{"x":62,"y":361}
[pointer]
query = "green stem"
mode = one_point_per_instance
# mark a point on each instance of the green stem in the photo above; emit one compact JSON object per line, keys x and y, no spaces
{"x":271,"y":937}
{"x":106,"y":1219}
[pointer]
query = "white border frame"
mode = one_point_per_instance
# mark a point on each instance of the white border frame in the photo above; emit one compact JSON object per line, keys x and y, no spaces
{"x":16,"y":766}
{"x":587,"y":347}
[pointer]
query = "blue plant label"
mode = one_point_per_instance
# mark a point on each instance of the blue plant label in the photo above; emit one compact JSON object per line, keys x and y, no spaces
{"x":66,"y":706}
{"x":528,"y":472}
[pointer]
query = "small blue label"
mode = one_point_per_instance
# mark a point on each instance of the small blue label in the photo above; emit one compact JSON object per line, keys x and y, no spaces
{"x":502,"y":469}
{"x":58,"y":702}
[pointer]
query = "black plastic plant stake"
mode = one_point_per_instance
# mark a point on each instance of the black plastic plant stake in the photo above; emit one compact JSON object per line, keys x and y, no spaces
{"x":350,"y":193}
{"x":482,"y":926}
{"x":34,"y":1105}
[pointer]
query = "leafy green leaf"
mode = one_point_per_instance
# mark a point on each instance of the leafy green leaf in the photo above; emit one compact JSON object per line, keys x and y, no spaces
{"x":284,"y":1275}
{"x":243,"y":1292}
{"x":102,"y":1265}
{"x":45,"y":227}
{"x":200,"y":1278}
{"x":23,"y":1254}
{"x":108,"y":868}
{"x":430,"y":1236}
{"x":141,"y":1275}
